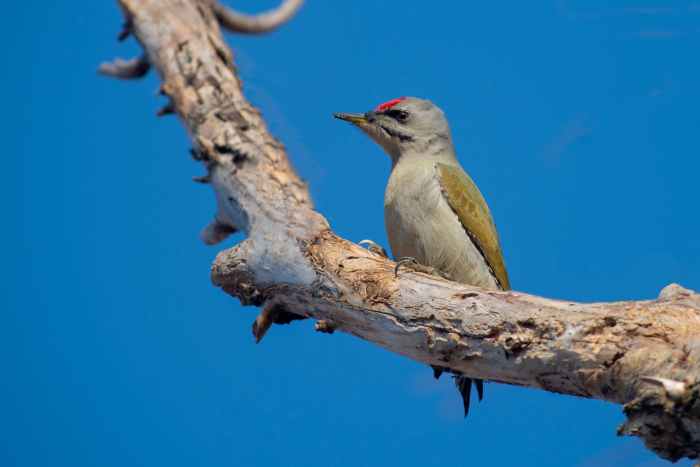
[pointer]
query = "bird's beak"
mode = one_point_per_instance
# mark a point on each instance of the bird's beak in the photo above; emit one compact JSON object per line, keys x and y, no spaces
{"x":352,"y":118}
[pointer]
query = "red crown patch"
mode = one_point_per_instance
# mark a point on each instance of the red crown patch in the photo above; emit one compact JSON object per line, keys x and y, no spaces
{"x":388,"y":105}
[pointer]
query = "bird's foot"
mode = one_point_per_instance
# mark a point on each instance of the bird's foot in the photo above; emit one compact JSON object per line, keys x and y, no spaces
{"x":375,"y":248}
{"x":416,"y":266}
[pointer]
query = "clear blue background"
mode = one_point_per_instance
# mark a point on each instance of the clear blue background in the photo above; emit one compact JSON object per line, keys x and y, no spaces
{"x":578,"y":122}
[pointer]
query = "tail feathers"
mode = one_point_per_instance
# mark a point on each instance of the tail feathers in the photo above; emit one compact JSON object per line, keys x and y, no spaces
{"x":479,"y":383}
{"x":464,"y":385}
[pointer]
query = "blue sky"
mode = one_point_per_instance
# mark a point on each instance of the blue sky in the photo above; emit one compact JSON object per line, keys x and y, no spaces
{"x":577,"y":120}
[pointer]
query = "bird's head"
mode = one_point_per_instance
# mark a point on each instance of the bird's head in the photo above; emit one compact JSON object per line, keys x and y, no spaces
{"x":405,"y":126}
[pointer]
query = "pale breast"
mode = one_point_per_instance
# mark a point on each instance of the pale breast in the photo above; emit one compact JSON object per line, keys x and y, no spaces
{"x":419,"y":223}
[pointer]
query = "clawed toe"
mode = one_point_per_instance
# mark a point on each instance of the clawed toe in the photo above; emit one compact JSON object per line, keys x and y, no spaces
{"x":373,"y":247}
{"x":408,"y":261}
{"x":416,"y":266}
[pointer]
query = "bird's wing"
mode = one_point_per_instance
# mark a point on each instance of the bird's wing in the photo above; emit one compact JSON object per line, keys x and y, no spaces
{"x":465,"y":199}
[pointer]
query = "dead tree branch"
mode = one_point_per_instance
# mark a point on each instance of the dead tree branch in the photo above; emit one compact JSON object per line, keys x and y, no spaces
{"x":235,"y":21}
{"x":125,"y":69}
{"x":643,"y":355}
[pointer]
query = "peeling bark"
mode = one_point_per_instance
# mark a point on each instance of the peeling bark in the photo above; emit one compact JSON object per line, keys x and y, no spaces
{"x":294,"y":266}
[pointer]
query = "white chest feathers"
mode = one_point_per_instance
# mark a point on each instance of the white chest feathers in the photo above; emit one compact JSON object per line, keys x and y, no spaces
{"x":421,"y":224}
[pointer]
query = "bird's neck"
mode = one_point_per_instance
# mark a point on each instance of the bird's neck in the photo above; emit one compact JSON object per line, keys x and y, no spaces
{"x":439,"y":150}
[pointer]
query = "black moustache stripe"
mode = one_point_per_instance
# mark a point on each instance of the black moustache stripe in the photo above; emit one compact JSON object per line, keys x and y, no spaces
{"x":396,"y":134}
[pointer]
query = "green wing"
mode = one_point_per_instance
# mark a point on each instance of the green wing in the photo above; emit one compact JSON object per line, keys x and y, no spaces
{"x":471,"y":209}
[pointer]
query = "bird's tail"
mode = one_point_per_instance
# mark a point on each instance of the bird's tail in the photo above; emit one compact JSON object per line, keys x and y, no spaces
{"x":464,"y":385}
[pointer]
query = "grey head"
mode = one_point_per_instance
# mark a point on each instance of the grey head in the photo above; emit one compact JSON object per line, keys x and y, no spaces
{"x":406,"y":127}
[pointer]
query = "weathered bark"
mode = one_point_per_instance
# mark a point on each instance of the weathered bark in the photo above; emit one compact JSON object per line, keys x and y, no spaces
{"x":292,"y":264}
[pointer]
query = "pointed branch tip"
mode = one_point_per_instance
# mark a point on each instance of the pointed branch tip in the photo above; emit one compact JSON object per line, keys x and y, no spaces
{"x":202,"y":179}
{"x":216,"y":232}
{"x":126,"y":31}
{"x":267,"y":316}
{"x":235,"y":21}
{"x":167,"y":109}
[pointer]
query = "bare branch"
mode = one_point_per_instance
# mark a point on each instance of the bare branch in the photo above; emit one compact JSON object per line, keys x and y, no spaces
{"x":125,"y":69}
{"x":235,"y":21}
{"x":294,"y":266}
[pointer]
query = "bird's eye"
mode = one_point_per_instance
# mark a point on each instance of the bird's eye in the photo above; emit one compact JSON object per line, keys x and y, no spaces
{"x":402,"y":116}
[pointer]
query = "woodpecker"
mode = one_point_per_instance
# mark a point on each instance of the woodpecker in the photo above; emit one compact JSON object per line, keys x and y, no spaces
{"x":435,"y":217}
